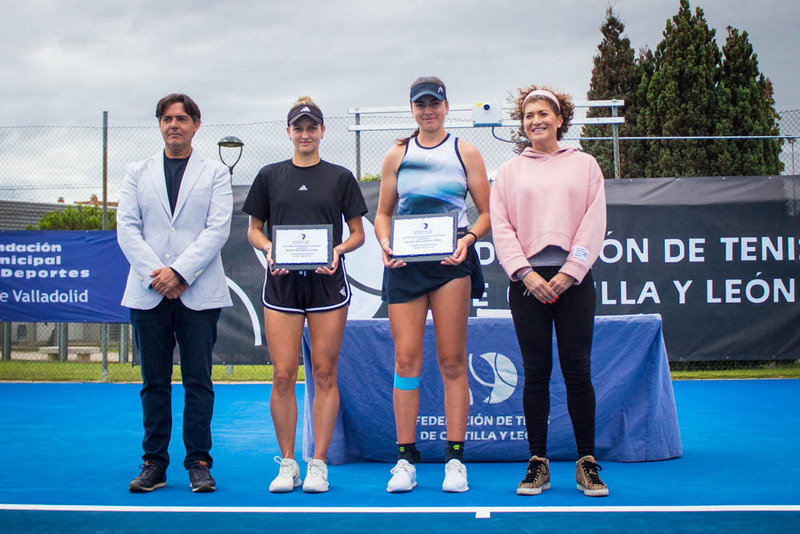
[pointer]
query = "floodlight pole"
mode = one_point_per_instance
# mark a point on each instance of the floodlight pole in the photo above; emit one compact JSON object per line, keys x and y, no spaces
{"x":230,"y":142}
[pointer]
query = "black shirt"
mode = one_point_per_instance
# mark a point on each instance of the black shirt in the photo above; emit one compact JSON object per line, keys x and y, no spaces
{"x":173,"y":173}
{"x":283,"y":193}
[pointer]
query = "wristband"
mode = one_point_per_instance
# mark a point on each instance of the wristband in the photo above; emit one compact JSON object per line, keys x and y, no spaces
{"x":473,"y":235}
{"x":527,"y":271}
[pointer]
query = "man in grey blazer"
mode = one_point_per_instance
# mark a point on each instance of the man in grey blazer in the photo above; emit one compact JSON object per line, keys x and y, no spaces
{"x":173,"y":219}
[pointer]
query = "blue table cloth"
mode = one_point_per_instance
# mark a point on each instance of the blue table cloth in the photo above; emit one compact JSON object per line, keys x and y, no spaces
{"x":636,"y":415}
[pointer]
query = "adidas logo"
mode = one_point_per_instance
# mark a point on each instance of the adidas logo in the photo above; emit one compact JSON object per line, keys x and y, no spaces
{"x":305,"y":110}
{"x":440,"y":90}
{"x":303,"y":188}
{"x":343,"y":292}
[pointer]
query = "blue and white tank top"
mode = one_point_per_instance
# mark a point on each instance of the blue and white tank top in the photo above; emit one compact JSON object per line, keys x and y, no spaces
{"x":432,"y":180}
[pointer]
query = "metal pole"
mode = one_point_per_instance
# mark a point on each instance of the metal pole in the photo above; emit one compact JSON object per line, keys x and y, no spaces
{"x":103,"y":342}
{"x":6,"y":341}
{"x":105,"y":170}
{"x":124,"y":335}
{"x":104,"y":326}
{"x":358,"y":148}
{"x":62,"y":333}
{"x":615,"y":128}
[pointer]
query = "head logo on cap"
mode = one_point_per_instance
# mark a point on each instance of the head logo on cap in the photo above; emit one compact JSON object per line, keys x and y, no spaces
{"x":433,"y":89}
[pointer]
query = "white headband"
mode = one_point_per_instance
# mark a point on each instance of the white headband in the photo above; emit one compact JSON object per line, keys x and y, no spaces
{"x":542,"y":93}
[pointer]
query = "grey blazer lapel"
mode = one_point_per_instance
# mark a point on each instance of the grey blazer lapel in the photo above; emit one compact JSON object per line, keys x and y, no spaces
{"x":155,"y":169}
{"x":194,"y":168}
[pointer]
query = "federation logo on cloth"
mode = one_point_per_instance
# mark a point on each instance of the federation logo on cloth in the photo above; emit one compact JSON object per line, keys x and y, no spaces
{"x":503,"y":377}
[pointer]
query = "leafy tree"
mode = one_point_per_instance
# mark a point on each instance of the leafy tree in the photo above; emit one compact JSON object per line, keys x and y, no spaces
{"x":751,"y":110}
{"x":684,"y":99}
{"x":615,"y":75}
{"x":640,"y":151}
{"x":75,"y":218}
{"x":687,"y":87}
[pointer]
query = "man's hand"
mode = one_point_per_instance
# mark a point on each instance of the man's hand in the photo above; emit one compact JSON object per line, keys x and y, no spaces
{"x":177,"y":292}
{"x":165,"y":280}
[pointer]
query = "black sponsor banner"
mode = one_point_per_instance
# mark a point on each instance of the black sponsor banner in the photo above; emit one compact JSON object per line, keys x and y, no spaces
{"x":718,"y":258}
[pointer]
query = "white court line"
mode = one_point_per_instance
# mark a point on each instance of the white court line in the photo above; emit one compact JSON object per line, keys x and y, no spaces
{"x":481,"y":512}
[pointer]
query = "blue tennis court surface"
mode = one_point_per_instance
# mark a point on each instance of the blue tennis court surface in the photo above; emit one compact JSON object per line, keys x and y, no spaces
{"x":69,"y":450}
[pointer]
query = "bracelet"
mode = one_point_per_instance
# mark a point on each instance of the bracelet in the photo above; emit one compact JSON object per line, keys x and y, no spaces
{"x":528,"y":271}
{"x":473,"y":235}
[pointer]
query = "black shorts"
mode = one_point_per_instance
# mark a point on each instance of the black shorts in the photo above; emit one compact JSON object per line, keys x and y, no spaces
{"x":416,"y":279}
{"x":306,"y":291}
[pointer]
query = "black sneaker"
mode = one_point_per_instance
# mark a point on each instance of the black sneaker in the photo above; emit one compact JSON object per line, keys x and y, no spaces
{"x":201,"y":479}
{"x":151,"y":477}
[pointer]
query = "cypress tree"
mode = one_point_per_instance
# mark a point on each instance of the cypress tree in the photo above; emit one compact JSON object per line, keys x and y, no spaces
{"x":751,"y":109}
{"x":684,"y":99}
{"x":615,"y":75}
{"x":641,"y":151}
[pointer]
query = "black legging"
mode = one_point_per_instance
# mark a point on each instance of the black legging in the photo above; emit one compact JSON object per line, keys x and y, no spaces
{"x":573,"y":317}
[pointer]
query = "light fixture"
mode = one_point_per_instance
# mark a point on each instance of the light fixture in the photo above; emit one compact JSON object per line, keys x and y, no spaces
{"x":230,"y":142}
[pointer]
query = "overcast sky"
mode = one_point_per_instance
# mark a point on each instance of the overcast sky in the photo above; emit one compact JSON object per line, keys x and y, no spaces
{"x":64,"y":62}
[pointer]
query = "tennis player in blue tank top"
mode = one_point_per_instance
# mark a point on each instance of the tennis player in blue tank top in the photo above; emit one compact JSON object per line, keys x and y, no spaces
{"x":429,"y":173}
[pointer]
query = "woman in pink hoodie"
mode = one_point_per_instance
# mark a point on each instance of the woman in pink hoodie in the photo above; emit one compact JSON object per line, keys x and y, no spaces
{"x":548,"y":215}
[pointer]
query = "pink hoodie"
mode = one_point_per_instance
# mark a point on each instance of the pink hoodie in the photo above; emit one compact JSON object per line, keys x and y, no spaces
{"x":541,"y":199}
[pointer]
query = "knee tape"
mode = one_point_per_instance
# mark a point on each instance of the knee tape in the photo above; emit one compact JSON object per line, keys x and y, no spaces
{"x":406,"y":383}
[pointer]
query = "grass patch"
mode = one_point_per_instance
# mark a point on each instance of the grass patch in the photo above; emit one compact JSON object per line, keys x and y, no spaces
{"x":744,"y":369}
{"x":38,"y":371}
{"x":41,"y":371}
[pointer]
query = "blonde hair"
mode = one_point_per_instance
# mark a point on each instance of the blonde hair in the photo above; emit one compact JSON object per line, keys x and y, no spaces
{"x":303,"y":100}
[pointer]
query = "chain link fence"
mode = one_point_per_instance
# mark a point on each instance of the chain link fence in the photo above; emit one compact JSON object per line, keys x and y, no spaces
{"x":49,"y":167}
{"x":790,"y":155}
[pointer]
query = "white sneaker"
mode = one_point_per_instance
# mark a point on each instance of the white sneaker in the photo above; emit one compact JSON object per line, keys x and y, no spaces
{"x":455,"y":477}
{"x":404,"y":477}
{"x":288,"y":476}
{"x":316,"y":476}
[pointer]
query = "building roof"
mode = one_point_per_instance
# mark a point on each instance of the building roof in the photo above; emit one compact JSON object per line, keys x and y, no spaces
{"x":16,"y":215}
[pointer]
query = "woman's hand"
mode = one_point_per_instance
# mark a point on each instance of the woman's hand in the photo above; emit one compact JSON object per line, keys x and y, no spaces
{"x":560,"y":283}
{"x":270,"y":263}
{"x":538,"y":287}
{"x":459,"y":255}
{"x":388,"y":259}
{"x":333,"y":266}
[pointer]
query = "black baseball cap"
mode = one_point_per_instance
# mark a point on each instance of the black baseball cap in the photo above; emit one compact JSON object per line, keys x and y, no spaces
{"x":428,"y":88}
{"x":304,"y":110}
